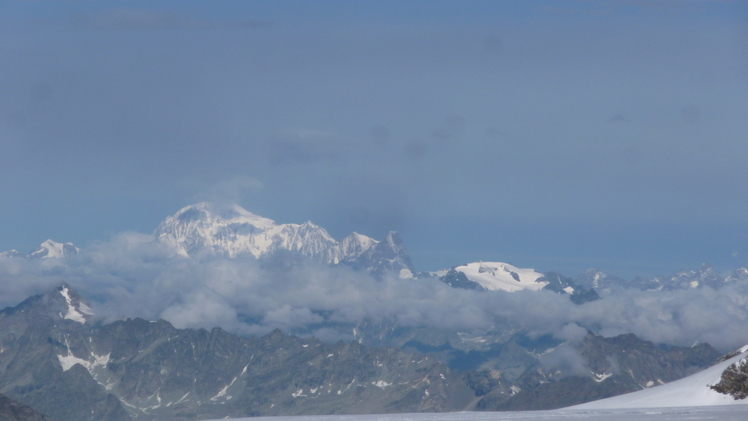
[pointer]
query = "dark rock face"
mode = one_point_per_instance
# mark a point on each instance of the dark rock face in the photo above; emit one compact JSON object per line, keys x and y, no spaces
{"x":11,"y":410}
{"x":457,"y":279}
{"x":734,"y":380}
{"x":561,"y":284}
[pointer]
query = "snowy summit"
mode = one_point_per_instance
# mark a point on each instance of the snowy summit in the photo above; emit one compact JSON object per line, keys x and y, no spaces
{"x":233,"y":231}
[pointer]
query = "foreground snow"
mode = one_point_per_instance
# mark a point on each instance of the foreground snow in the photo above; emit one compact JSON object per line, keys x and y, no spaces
{"x":722,"y":413}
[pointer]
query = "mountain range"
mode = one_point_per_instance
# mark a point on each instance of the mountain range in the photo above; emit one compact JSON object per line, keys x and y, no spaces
{"x":232,"y":231}
{"x":58,"y":359}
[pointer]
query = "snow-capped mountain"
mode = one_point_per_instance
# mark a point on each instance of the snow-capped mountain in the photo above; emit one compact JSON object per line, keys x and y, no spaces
{"x":47,"y":250}
{"x":493,"y":276}
{"x":705,"y":276}
{"x":233,"y":231}
{"x":595,"y":278}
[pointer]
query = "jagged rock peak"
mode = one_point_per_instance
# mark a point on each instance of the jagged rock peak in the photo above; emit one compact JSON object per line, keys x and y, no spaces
{"x":59,"y":303}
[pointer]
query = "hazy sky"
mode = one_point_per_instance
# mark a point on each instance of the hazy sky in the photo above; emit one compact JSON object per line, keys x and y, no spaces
{"x":557,"y":135}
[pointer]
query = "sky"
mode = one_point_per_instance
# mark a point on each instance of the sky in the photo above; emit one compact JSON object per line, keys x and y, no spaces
{"x":558,"y":135}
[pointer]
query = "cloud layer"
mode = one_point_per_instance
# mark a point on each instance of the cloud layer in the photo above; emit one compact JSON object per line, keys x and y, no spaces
{"x":130,"y":276}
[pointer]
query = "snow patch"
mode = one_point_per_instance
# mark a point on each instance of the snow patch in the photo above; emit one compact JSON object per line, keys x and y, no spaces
{"x":298,"y":394}
{"x":601,"y":377}
{"x":381,"y":384}
{"x":69,"y":360}
{"x":72,"y":313}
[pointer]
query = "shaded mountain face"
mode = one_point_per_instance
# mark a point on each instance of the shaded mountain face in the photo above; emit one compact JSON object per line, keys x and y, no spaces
{"x":69,"y":368}
{"x":233,"y":231}
{"x":36,"y":338}
{"x":11,"y":410}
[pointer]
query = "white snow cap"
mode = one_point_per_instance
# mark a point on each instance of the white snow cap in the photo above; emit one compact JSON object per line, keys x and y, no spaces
{"x":495,"y":276}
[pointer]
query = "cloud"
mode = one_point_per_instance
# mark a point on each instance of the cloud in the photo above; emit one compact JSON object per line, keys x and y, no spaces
{"x":130,"y":276}
{"x":415,"y":149}
{"x":142,"y":19}
{"x":566,"y":359}
{"x":302,"y":146}
{"x":690,"y":113}
{"x":228,"y":191}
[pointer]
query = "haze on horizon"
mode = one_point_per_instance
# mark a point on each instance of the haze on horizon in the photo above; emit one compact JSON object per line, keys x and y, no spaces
{"x":552,"y":135}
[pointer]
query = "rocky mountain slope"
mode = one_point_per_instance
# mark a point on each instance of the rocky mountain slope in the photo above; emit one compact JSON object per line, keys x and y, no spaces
{"x":599,"y":367}
{"x":698,"y":389}
{"x":57,"y":361}
{"x":11,"y":410}
{"x":55,"y":358}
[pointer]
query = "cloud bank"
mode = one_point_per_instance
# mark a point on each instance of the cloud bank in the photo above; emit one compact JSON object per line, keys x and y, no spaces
{"x":130,"y":276}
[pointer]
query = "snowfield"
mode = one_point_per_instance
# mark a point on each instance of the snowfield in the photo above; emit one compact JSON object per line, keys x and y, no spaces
{"x":698,"y":413}
{"x":495,"y":276}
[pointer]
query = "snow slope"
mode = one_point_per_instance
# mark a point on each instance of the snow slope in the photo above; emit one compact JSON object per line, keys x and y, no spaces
{"x":495,"y":276}
{"x":690,"y":391}
{"x":722,"y":413}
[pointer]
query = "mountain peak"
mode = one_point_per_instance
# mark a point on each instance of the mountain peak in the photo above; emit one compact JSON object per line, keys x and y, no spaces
{"x":49,"y":249}
{"x":77,"y":309}
{"x":233,"y":231}
{"x":61,"y":302}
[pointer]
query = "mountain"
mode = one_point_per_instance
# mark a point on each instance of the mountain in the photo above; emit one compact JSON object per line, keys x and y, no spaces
{"x":56,"y":359}
{"x":497,"y":276}
{"x":694,"y":390}
{"x":46,"y":250}
{"x":599,"y":280}
{"x":705,"y":276}
{"x":493,"y":276}
{"x":233,"y":231}
{"x":596,"y":368}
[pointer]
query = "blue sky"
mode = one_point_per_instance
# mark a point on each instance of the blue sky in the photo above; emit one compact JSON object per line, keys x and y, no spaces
{"x":555,"y":135}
